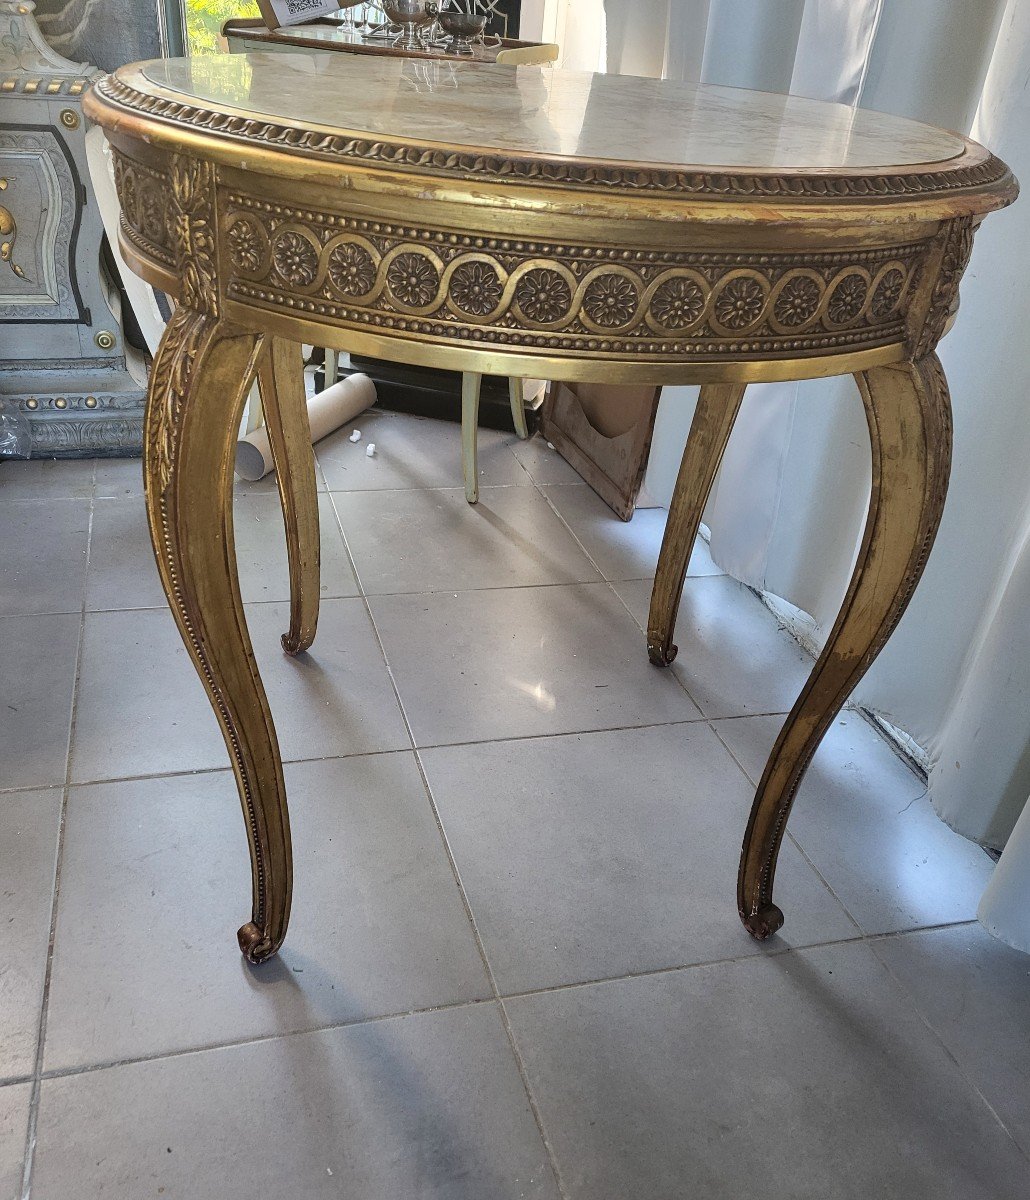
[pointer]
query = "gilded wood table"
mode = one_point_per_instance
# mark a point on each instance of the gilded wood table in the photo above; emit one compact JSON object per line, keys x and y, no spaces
{"x":549,"y":224}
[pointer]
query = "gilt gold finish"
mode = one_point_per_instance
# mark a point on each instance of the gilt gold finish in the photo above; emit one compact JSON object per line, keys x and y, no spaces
{"x":281,"y":383}
{"x":550,"y":255}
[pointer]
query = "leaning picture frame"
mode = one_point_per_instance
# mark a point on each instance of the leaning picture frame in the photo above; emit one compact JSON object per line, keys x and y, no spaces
{"x":276,"y":13}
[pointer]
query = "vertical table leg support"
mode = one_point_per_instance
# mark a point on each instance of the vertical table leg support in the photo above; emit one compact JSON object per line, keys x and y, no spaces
{"x":199,"y":381}
{"x":717,"y":408}
{"x":517,"y":399}
{"x":281,"y":380}
{"x":909,"y":415}
{"x":470,"y":387}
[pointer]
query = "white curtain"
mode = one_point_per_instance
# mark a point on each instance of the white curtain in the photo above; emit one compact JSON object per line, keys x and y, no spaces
{"x":790,"y":501}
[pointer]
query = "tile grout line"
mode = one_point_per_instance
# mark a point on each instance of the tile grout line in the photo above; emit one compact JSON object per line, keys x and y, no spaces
{"x":600,"y":981}
{"x":258,"y":1039}
{"x":32,"y":1126}
{"x":522,"y":737}
{"x":481,"y":948}
{"x":438,"y":591}
{"x":520,"y":1065}
{"x":707,"y":720}
{"x":40,"y":1075}
{"x":913,"y":1004}
{"x":611,"y":586}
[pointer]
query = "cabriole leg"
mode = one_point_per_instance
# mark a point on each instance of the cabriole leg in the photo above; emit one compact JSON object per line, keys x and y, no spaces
{"x":909,"y":415}
{"x":281,"y":380}
{"x":470,"y":384}
{"x":198,"y":384}
{"x":717,"y":408}
{"x":517,"y":397}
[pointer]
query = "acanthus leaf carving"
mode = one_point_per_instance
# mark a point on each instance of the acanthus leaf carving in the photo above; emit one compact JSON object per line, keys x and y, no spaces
{"x":193,"y":226}
{"x":169,"y":385}
{"x":958,"y":245}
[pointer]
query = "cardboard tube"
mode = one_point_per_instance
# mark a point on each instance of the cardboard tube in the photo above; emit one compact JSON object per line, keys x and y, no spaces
{"x":327,"y":411}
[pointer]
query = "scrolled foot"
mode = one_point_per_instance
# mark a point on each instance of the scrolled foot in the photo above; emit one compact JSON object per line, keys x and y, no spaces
{"x":764,"y":923}
{"x":255,"y":945}
{"x":296,"y":643}
{"x":660,"y":654}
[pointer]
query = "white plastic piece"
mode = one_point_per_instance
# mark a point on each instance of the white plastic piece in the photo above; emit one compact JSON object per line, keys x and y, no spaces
{"x":327,"y":411}
{"x":370,"y":450}
{"x":355,"y":435}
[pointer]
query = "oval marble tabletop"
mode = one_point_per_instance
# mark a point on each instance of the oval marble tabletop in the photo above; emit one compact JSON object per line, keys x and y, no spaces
{"x":542,"y":125}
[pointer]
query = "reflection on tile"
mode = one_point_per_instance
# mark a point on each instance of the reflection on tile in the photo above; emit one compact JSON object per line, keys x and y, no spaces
{"x":14,"y":1123}
{"x":144,"y":952}
{"x":410,"y":541}
{"x":733,"y":658}
{"x":865,"y":821}
{"x":474,"y":665}
{"x":411,"y":452}
{"x":37,"y":678}
{"x":46,"y":479}
{"x":809,"y":1072}
{"x":43,"y":563}
{"x":602,"y":854}
{"x":975,"y":993}
{"x":142,"y":709}
{"x":622,"y":549}
{"x":429,"y":1105}
{"x":28,"y":851}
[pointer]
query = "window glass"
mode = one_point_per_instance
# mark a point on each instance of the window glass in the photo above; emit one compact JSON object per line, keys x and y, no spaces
{"x":204,"y":20}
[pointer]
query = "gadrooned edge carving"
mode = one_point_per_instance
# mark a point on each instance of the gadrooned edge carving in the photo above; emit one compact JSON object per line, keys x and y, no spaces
{"x":433,"y":160}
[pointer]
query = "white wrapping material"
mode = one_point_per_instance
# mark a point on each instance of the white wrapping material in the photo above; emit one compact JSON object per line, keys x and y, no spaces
{"x":327,"y":411}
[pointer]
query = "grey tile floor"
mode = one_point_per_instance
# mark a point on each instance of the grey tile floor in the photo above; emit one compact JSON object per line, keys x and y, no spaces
{"x":514,"y":967}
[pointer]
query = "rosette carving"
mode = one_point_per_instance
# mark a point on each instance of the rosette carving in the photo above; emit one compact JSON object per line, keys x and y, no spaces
{"x":887,"y":294}
{"x":740,"y":303}
{"x":847,"y":299}
{"x":413,"y":280}
{"x":351,"y":269}
{"x":611,"y":301}
{"x":797,"y":302}
{"x":246,"y":245}
{"x":405,"y":278}
{"x":476,"y":288}
{"x":678,"y":303}
{"x":295,"y":258}
{"x":544,"y":295}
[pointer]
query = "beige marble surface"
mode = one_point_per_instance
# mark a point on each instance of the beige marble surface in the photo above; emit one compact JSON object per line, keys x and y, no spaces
{"x":554,"y":113}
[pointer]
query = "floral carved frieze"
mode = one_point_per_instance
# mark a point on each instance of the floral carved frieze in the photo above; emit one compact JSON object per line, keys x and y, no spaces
{"x":170,"y":218}
{"x":439,"y":283}
{"x":144,"y":198}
